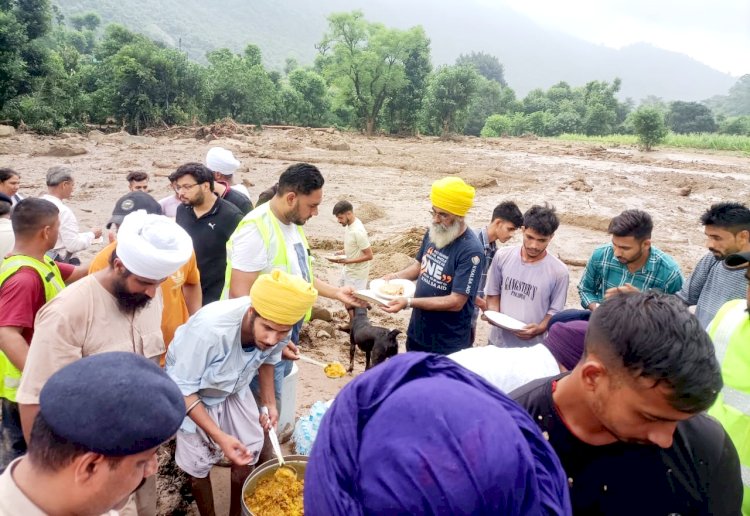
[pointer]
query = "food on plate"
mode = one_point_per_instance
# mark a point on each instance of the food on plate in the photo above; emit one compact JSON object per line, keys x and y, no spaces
{"x":334,"y":370}
{"x":279,"y":494}
{"x":391,"y":289}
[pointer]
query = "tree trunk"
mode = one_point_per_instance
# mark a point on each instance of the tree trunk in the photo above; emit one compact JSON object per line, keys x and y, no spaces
{"x":369,"y":126}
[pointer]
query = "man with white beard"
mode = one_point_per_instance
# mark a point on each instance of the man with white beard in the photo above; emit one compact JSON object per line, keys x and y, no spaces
{"x":447,"y":268}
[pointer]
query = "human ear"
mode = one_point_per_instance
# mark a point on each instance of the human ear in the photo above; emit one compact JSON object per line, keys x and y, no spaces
{"x":86,"y":466}
{"x":592,"y":374}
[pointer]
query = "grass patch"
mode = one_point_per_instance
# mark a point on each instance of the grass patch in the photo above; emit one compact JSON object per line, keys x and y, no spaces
{"x":710,"y":141}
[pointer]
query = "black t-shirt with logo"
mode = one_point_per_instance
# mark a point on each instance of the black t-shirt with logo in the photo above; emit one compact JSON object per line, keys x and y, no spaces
{"x":698,"y":475}
{"x":210,"y":233}
{"x":455,"y":268}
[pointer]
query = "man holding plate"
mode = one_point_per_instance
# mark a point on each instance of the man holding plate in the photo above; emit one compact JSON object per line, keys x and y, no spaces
{"x":447,"y":269}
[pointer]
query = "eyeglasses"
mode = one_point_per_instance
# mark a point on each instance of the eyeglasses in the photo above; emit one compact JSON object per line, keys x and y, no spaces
{"x":187,"y":188}
{"x":439,"y":214}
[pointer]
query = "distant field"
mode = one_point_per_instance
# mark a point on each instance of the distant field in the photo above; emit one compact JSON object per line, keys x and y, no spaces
{"x":710,"y":141}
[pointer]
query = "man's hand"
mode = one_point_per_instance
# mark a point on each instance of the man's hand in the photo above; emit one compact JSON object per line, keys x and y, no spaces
{"x":269,"y":416}
{"x":290,"y":352}
{"x":97,"y":232}
{"x":481,"y":303}
{"x":396,"y":305}
{"x":627,"y":288}
{"x":389,"y":277}
{"x":234,"y":450}
{"x":529,"y":331}
{"x":346,"y":296}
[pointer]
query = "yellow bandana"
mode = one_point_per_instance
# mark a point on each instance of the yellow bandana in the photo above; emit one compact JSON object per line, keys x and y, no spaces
{"x":452,"y":195}
{"x":282,"y":298}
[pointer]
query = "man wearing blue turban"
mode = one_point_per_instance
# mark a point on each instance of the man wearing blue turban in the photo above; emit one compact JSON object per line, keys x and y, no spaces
{"x":422,"y":435}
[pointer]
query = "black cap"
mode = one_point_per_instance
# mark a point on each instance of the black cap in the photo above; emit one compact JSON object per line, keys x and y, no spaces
{"x":115,"y":403}
{"x":737,"y":259}
{"x":131,"y":202}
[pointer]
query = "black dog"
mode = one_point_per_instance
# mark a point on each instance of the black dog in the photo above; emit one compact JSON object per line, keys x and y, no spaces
{"x":373,"y":340}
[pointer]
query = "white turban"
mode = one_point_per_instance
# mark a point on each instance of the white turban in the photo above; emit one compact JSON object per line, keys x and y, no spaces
{"x":152,"y":246}
{"x":221,"y":160}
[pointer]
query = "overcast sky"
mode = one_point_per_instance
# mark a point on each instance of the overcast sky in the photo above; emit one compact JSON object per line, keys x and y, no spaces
{"x":715,"y":32}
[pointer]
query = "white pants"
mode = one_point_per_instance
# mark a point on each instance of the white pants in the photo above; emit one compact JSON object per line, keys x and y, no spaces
{"x":237,"y":416}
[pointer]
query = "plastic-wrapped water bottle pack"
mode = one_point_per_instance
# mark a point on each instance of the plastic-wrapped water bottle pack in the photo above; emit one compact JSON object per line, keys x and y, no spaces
{"x":306,"y":428}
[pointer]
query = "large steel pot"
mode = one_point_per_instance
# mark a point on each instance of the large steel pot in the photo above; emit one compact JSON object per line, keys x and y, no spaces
{"x":298,"y":462}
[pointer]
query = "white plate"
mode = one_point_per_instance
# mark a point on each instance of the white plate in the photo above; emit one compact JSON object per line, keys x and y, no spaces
{"x":335,"y":257}
{"x":504,"y":321}
{"x":409,"y":288}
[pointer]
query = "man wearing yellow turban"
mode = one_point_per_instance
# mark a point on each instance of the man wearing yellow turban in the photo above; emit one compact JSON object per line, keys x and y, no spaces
{"x":212,"y":359}
{"x":447,"y":268}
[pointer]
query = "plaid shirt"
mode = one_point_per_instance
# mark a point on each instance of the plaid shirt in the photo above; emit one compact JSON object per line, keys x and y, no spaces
{"x":603,"y":271}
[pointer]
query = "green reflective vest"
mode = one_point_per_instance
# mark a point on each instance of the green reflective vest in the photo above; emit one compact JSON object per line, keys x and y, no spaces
{"x":10,"y":375}
{"x":268,"y":226}
{"x":730,"y":332}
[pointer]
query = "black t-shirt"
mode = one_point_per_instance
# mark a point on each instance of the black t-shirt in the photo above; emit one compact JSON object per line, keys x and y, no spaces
{"x":210,"y":234}
{"x":240,"y":201}
{"x":698,"y":475}
{"x":457,"y":268}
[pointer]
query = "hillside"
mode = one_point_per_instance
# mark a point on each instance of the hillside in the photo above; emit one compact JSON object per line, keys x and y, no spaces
{"x":533,"y":56}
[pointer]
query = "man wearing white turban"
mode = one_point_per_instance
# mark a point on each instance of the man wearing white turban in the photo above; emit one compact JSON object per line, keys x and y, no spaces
{"x":223,"y":164}
{"x":115,"y":309}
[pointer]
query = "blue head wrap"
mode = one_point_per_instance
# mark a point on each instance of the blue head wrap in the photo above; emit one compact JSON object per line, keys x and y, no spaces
{"x":422,"y":435}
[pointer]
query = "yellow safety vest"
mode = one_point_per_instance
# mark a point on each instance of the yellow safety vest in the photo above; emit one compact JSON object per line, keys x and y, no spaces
{"x":268,"y":225}
{"x":10,"y":375}
{"x":730,"y":332}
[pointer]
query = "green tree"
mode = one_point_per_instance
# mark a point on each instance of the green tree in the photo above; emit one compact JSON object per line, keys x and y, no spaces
{"x":488,"y":66}
{"x":305,"y":101}
{"x":449,"y":94}
{"x":739,"y":125}
{"x":87,"y":21}
{"x":13,"y":73}
{"x":505,"y":125}
{"x":649,"y":126}
{"x":239,"y":89}
{"x":405,"y":103}
{"x":600,"y":100}
{"x":737,"y":102}
{"x":690,"y":117}
{"x":488,"y":100}
{"x":364,"y":63}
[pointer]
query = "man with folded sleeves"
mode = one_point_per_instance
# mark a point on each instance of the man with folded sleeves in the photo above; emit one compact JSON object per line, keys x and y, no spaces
{"x":111,"y":310}
{"x":447,"y":268}
{"x":94,"y":441}
{"x":213,"y":358}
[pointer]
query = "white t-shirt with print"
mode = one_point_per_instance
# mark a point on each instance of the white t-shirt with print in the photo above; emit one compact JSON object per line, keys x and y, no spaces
{"x":247,"y":249}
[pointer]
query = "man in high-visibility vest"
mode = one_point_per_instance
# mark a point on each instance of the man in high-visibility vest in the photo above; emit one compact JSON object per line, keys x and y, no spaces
{"x":730,"y":332}
{"x":276,"y":227}
{"x":28,"y":279}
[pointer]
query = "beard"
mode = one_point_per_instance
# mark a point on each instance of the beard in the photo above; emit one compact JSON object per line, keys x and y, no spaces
{"x":443,"y":236}
{"x":295,"y":218}
{"x":128,"y":302}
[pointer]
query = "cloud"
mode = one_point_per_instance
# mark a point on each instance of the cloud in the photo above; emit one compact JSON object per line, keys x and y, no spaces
{"x":716,"y":33}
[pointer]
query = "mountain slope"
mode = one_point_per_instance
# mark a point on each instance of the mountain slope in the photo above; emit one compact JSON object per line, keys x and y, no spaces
{"x":533,"y":57}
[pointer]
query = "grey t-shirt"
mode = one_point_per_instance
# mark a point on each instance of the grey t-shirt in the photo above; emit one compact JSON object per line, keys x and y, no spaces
{"x":528,"y":291}
{"x":710,"y":286}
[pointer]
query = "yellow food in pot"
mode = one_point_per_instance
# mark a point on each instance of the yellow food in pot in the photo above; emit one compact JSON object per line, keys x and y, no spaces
{"x":279,"y":494}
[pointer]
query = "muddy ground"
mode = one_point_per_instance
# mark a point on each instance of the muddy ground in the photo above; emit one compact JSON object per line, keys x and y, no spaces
{"x":387,"y":180}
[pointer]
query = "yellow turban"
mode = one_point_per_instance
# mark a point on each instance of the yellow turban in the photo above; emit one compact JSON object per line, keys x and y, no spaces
{"x":282,"y":298}
{"x":452,"y":195}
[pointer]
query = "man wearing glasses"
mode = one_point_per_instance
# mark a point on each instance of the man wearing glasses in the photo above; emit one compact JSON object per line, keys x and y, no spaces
{"x":447,"y":268}
{"x":209,"y":220}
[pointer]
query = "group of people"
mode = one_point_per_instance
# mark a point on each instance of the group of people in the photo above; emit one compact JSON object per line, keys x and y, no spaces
{"x":576,"y":410}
